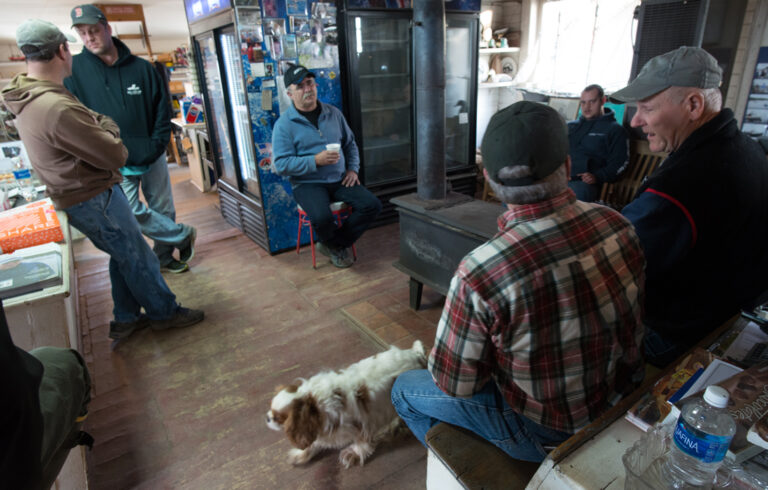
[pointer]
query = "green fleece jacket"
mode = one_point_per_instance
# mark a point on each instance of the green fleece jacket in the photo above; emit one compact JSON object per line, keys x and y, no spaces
{"x":75,"y":151}
{"x":130,"y":92}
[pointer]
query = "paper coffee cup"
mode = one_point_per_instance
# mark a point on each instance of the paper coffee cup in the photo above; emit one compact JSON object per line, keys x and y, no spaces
{"x":334,"y":147}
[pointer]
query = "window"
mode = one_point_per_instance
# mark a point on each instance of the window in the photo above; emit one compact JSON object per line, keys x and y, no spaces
{"x":582,"y":42}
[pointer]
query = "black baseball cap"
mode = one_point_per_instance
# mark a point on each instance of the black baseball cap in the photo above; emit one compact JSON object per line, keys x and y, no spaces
{"x":525,"y":134}
{"x":295,"y":74}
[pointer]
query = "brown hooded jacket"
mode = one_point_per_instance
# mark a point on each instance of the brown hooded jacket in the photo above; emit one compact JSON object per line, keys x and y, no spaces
{"x":77,"y":153}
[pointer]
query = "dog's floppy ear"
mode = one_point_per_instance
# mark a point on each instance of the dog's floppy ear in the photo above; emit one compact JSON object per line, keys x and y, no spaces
{"x":291,"y":388}
{"x":303,"y":423}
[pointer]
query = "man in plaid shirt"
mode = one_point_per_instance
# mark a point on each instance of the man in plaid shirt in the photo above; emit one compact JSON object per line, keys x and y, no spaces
{"x":541,"y":330}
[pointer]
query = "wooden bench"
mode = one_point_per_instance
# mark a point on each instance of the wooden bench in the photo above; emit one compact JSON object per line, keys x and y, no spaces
{"x":459,"y":459}
{"x":642,"y":163}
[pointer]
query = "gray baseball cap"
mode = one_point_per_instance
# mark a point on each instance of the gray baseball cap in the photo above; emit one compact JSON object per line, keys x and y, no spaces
{"x":684,"y":67}
{"x":37,"y":36}
{"x":525,"y":134}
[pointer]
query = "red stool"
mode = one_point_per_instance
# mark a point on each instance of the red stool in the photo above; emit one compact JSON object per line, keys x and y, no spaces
{"x":339,"y":210}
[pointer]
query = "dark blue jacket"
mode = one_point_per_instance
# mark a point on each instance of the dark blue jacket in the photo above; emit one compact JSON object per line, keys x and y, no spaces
{"x":598,"y":146}
{"x":130,"y":92}
{"x":702,"y":219}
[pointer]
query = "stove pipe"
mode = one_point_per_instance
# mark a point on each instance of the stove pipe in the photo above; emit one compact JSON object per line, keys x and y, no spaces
{"x":429,"y":75}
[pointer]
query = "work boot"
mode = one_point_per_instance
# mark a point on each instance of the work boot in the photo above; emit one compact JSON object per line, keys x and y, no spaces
{"x":187,"y":253}
{"x":184,"y":317}
{"x":323,"y":249}
{"x":175,"y":267}
{"x":341,"y":258}
{"x":121,"y":330}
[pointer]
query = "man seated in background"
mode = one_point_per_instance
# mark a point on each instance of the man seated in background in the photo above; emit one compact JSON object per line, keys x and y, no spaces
{"x":702,"y":216}
{"x":598,"y":146}
{"x":541,"y":329}
{"x":77,"y":154}
{"x":320,"y":176}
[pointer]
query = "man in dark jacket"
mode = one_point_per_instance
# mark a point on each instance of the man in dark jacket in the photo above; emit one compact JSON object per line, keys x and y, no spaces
{"x":107,"y":78}
{"x":597,"y":145}
{"x":701,"y":216}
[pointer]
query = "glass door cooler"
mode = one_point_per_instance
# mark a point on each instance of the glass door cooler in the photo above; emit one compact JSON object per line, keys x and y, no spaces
{"x":381,"y":92}
{"x":242,"y":51}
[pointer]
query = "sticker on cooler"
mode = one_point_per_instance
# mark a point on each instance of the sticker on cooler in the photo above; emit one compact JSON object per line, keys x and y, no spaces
{"x":704,"y":447}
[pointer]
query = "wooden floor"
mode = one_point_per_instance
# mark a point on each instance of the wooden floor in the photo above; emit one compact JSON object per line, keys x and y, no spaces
{"x":185,"y":408}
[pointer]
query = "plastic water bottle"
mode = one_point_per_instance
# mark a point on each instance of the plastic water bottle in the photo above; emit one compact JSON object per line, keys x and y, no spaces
{"x":22,"y":173}
{"x":702,"y":435}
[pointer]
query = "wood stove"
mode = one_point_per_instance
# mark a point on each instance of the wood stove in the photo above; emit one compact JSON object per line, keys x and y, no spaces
{"x":437,"y":227}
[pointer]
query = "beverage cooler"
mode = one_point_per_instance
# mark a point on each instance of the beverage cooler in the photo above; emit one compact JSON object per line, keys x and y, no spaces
{"x":361,"y":54}
{"x":381,"y":90}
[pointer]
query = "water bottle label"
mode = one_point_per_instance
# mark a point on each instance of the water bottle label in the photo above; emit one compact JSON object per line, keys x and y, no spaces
{"x":24,"y":173}
{"x":700,"y":445}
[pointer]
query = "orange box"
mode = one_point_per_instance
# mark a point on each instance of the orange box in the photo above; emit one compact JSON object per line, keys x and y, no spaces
{"x":32,"y":224}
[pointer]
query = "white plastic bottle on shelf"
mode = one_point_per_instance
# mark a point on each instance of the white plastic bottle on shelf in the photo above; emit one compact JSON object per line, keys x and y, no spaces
{"x":22,"y":174}
{"x":702,"y":435}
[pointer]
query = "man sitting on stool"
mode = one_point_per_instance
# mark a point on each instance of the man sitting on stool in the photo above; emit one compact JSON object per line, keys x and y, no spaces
{"x":541,"y":330}
{"x":319,"y":175}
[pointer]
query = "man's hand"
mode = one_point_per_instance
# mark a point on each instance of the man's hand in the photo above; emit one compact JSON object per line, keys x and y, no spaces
{"x":588,"y":178}
{"x":350,"y":179}
{"x":326,"y":157}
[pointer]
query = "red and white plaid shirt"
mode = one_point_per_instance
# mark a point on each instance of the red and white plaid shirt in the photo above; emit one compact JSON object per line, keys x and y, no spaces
{"x":551,"y":309}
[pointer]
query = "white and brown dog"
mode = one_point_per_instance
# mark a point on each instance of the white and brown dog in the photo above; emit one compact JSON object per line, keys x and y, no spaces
{"x":349,"y":409}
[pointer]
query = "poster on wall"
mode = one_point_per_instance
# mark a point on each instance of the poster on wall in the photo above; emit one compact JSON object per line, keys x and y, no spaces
{"x":270,"y":8}
{"x":249,"y":25}
{"x":755,"y":122}
{"x":296,"y":7}
{"x":289,"y":46}
{"x":274,"y":30}
{"x":321,"y":48}
{"x":299,"y":25}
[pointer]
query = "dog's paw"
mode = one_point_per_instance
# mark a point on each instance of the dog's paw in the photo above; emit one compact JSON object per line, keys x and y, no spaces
{"x":298,"y":456}
{"x":349,"y":457}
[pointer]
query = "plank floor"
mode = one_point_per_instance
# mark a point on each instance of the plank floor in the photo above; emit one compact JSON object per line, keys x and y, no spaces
{"x":185,"y":408}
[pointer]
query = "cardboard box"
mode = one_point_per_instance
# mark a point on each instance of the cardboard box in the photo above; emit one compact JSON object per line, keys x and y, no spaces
{"x":186,"y":144}
{"x":32,"y":224}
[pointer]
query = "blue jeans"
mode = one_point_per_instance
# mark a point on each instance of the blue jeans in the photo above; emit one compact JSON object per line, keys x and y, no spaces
{"x":157,"y":218}
{"x":315,"y":199}
{"x":133,"y":269}
{"x":421,"y":404}
{"x":659,"y":351}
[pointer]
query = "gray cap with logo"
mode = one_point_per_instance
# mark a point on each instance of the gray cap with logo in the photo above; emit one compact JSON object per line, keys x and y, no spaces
{"x":684,"y":67}
{"x":37,"y":37}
